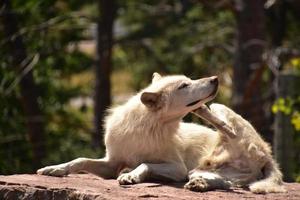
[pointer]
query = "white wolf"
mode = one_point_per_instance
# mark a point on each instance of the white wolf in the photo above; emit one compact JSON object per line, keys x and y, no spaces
{"x":147,"y":135}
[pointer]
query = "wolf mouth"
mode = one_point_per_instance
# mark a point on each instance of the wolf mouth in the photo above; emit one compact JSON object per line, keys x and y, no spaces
{"x":193,"y":103}
{"x":210,"y":95}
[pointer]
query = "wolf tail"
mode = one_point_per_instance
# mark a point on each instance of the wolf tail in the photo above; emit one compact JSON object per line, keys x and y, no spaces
{"x":271,"y":181}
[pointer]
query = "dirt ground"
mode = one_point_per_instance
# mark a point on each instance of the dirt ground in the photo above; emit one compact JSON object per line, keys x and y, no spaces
{"x":88,"y":187}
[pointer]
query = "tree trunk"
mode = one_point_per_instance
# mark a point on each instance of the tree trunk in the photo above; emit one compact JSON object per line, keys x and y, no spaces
{"x":102,"y":95}
{"x":248,"y":66}
{"x":288,"y":84}
{"x":278,"y":19}
{"x":28,"y":88}
{"x":294,"y":5}
{"x":285,"y":86}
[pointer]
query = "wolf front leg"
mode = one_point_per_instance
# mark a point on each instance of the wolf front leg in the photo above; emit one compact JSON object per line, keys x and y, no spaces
{"x":145,"y":171}
{"x":202,"y":181}
{"x":100,"y":167}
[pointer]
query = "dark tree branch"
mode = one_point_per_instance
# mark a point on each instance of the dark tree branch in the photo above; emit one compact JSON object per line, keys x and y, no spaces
{"x":50,"y":23}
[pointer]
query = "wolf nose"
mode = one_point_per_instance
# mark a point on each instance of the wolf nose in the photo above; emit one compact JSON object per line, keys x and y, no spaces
{"x":214,"y":80}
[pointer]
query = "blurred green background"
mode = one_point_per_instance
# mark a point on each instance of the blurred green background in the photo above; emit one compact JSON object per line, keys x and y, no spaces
{"x":64,"y":62}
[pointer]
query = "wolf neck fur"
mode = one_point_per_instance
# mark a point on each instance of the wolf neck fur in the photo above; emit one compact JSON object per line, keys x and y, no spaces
{"x":149,"y":121}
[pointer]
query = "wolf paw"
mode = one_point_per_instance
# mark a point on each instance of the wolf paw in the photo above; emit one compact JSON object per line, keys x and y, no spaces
{"x":55,"y":170}
{"x":128,"y":179}
{"x":197,"y":184}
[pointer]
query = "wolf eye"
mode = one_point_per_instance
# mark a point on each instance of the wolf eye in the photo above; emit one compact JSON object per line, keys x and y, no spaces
{"x":183,"y":85}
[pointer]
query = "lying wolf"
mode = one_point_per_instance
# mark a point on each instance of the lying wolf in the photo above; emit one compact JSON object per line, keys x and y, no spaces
{"x":147,"y":136}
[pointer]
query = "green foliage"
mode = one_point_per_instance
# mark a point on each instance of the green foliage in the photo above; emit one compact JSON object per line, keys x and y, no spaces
{"x":296,"y":120}
{"x":166,"y":38}
{"x":283,"y":105}
{"x":298,"y":179}
{"x":51,"y":31}
{"x":294,"y":65}
{"x":289,"y":106}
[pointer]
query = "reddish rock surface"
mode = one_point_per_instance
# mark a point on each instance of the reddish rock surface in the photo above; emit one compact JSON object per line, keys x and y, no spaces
{"x":87,"y":187}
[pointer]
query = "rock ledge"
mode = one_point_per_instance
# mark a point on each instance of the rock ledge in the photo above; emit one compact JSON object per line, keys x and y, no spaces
{"x":90,"y":187}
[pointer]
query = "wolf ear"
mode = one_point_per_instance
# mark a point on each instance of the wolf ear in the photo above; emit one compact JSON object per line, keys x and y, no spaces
{"x":150,"y":99}
{"x":155,"y":77}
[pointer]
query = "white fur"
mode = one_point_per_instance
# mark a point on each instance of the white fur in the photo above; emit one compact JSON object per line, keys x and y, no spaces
{"x":146,"y":134}
{"x":205,"y":175}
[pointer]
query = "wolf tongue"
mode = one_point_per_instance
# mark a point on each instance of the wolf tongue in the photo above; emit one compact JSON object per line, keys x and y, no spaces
{"x":205,"y":114}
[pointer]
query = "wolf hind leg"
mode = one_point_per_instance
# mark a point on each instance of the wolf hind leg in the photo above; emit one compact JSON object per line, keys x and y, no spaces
{"x":240,"y":126}
{"x":258,"y":152}
{"x":202,"y":181}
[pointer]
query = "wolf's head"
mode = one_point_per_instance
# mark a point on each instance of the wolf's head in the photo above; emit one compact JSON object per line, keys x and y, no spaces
{"x":174,"y":96}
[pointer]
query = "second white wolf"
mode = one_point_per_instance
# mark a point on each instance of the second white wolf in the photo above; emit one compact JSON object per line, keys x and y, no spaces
{"x":147,"y":135}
